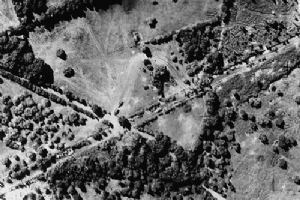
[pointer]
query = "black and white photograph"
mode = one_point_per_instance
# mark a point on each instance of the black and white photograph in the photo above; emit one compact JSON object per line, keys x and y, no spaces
{"x":149,"y":99}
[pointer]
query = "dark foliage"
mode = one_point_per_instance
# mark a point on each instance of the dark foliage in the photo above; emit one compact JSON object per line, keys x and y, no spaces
{"x":60,"y":53}
{"x":146,"y":50}
{"x":161,"y":76}
{"x":196,"y":42}
{"x":282,"y":163}
{"x":124,"y":122}
{"x":98,"y":110}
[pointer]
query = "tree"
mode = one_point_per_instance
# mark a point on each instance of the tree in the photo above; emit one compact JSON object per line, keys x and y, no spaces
{"x":263,"y":138}
{"x":23,"y":140}
{"x":161,"y":76}
{"x":284,"y":143}
{"x":40,"y":197}
{"x":255,"y":102}
{"x":56,"y":139}
{"x":97,"y":136}
{"x":243,"y":115}
{"x":16,"y":167}
{"x":147,"y":62}
{"x":98,"y":110}
{"x":69,"y":72}
{"x":32,"y":156}
{"x":42,"y":152}
{"x":30,"y":196}
{"x":152,"y":22}
{"x":212,"y":103}
{"x":124,"y":122}
{"x":146,"y":50}
{"x":2,"y":134}
{"x":60,"y":53}
{"x":39,"y":73}
{"x":17,"y":158}
{"x":73,"y":118}
{"x":230,"y":136}
{"x":7,"y":162}
{"x":280,"y":123}
{"x":297,"y":180}
{"x":28,"y":58}
{"x":71,"y":190}
{"x":297,"y":100}
{"x":216,"y":62}
{"x":282,"y":163}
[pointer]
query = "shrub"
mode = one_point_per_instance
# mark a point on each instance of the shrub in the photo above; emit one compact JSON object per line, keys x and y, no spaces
{"x":297,"y":180}
{"x":124,"y":122}
{"x":146,"y":51}
{"x":282,"y":163}
{"x":42,"y":152}
{"x":16,"y":167}
{"x":280,"y":123}
{"x":152,"y":23}
{"x":284,"y":142}
{"x":69,"y":72}
{"x":263,"y":138}
{"x":60,"y":53}
{"x":297,"y":100}
{"x":98,"y":110}
{"x":7,"y":162}
{"x":39,"y":73}
{"x":243,"y":115}
{"x":32,"y":156}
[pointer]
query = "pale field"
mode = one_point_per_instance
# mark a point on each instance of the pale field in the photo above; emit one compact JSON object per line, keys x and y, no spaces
{"x":99,"y":47}
{"x":8,"y":17}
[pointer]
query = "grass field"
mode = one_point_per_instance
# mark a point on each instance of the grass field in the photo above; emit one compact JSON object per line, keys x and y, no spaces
{"x":100,"y":50}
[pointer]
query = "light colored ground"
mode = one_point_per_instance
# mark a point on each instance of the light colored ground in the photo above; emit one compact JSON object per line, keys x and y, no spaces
{"x":180,"y":126}
{"x":99,"y":47}
{"x":8,"y":16}
{"x":254,"y":175}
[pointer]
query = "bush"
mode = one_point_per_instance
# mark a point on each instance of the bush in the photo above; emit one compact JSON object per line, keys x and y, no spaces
{"x":263,"y":138}
{"x":7,"y":162}
{"x":146,"y":51}
{"x":297,"y":100}
{"x":280,"y":123}
{"x":124,"y":122}
{"x":32,"y":156}
{"x":285,"y":143}
{"x":39,"y":73}
{"x":69,"y":72}
{"x":243,"y":115}
{"x":98,"y":110}
{"x":42,"y":152}
{"x":264,"y":122}
{"x":152,"y":22}
{"x":71,"y":190}
{"x":297,"y":180}
{"x":187,"y":108}
{"x":16,"y":167}
{"x":161,"y":76}
{"x":147,"y":62}
{"x":2,"y":134}
{"x":255,"y":103}
{"x":282,"y":163}
{"x":216,"y":63}
{"x":97,"y":136}
{"x":73,"y":118}
{"x":60,"y":53}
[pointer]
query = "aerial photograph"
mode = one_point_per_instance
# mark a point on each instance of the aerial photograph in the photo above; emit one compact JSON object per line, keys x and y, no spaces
{"x":149,"y":99}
